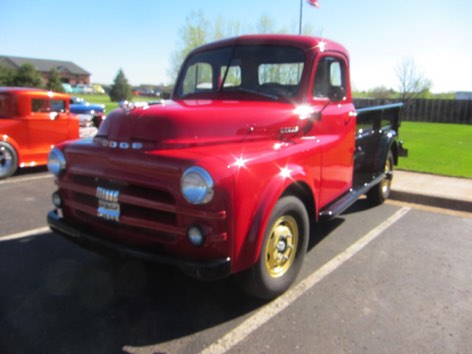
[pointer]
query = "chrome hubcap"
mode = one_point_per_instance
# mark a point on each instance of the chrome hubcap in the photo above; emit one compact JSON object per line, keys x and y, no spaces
{"x":6,"y":160}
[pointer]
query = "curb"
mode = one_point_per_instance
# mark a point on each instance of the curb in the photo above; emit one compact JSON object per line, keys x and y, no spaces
{"x":439,"y":202}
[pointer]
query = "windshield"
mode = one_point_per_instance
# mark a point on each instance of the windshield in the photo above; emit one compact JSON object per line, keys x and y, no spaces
{"x":242,"y":72}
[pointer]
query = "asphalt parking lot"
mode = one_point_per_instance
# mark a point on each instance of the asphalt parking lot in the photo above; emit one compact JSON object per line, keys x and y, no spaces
{"x":391,"y":279}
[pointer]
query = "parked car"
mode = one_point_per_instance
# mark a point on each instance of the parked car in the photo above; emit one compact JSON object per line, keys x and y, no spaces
{"x":146,"y":92}
{"x":82,"y":88}
{"x":98,"y":88}
{"x":67,"y":88}
{"x":31,"y":122}
{"x":89,"y":114}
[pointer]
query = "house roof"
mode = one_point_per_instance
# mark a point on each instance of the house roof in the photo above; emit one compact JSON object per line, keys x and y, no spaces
{"x":44,"y":65}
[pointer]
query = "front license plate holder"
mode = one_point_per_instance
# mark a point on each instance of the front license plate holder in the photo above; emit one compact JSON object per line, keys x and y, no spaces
{"x":108,"y":210}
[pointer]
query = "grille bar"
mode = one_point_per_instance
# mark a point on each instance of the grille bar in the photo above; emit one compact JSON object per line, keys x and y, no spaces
{"x":117,"y":206}
{"x":128,"y":199}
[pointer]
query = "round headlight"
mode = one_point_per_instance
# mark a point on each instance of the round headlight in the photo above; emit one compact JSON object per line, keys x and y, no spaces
{"x":56,"y":161}
{"x":197,"y":185}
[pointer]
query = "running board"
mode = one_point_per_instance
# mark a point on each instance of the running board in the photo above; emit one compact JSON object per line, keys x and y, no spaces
{"x":347,"y":199}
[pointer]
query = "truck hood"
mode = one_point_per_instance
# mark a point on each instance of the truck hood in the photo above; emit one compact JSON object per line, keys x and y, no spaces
{"x":179,"y":124}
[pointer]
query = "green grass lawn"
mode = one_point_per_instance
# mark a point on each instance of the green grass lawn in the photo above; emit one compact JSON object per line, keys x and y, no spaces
{"x":101,"y":99}
{"x":437,"y":148}
{"x":443,"y":149}
{"x":110,"y":106}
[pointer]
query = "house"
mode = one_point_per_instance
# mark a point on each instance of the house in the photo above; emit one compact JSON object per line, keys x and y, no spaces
{"x":69,"y":72}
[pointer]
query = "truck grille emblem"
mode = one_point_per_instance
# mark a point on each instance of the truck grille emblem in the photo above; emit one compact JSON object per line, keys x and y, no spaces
{"x":122,"y":145}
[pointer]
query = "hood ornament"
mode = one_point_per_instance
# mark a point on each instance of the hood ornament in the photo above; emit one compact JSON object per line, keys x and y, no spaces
{"x":130,"y":106}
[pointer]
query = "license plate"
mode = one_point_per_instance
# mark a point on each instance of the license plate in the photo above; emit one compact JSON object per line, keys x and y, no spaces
{"x":108,"y":206}
{"x":108,"y":210}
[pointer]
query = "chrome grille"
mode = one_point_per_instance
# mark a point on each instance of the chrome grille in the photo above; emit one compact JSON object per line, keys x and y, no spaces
{"x":118,"y":206}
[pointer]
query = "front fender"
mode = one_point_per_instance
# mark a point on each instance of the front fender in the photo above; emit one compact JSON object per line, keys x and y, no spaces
{"x":249,"y":249}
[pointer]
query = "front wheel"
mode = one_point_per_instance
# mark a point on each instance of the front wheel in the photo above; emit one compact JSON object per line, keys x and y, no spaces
{"x":380,"y":192}
{"x":283,"y":249}
{"x":8,"y":160}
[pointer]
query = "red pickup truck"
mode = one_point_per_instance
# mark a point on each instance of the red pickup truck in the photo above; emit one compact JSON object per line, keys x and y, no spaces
{"x":260,"y":140}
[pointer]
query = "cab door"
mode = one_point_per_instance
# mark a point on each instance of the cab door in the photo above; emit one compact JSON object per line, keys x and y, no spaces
{"x":48,"y":125}
{"x":335,"y":126}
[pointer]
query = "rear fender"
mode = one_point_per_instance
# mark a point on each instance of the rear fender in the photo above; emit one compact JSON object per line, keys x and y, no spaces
{"x":388,"y":143}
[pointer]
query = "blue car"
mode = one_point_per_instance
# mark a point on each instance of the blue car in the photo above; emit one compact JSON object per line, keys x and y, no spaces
{"x":89,"y":114}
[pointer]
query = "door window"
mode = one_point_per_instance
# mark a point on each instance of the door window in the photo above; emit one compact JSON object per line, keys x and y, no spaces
{"x":40,"y":105}
{"x":330,"y":74}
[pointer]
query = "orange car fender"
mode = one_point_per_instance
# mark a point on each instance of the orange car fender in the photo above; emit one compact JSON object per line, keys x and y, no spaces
{"x":7,"y":139}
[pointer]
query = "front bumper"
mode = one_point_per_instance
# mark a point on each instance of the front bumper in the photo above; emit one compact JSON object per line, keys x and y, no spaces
{"x":209,"y":270}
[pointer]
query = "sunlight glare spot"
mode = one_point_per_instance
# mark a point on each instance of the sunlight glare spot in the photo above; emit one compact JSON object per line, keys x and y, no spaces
{"x":285,"y":172}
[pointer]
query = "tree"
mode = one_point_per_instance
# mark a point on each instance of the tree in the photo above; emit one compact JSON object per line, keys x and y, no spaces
{"x":27,"y":76}
{"x":197,"y":31}
{"x":411,"y":81}
{"x":121,"y":89}
{"x":6,"y":76}
{"x":194,"y":33}
{"x":265,"y":25}
{"x":223,"y":28}
{"x":54,"y":81}
{"x":381,"y":92}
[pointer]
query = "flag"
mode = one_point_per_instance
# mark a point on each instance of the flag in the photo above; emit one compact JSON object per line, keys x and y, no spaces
{"x":313,"y":3}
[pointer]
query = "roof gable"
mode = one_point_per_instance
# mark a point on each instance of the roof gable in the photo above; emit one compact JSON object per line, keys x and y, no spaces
{"x":45,"y":65}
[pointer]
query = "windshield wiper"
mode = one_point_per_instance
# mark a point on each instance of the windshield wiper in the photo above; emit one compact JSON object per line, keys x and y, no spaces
{"x":254,"y":92}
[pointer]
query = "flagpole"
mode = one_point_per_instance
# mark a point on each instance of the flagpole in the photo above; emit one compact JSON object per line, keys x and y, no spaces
{"x":314,"y":3}
{"x":301,"y":17}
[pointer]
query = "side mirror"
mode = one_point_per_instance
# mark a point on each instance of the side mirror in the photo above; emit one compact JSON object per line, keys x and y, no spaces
{"x":336,"y":93}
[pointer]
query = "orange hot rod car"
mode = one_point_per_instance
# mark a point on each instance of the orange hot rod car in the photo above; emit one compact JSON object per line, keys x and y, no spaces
{"x":31,"y":122}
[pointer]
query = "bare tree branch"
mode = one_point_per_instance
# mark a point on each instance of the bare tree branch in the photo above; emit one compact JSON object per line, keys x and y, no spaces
{"x":411,"y":81}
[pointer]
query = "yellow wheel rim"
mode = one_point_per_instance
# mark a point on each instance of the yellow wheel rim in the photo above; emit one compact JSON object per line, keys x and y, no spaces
{"x":281,"y":246}
{"x":387,"y":181}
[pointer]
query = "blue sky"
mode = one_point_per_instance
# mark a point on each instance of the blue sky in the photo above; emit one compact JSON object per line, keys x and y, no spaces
{"x":139,"y":36}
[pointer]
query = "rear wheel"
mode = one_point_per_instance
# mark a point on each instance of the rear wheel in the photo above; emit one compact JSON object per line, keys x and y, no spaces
{"x":380,"y":192}
{"x":8,"y":160}
{"x":283,"y":249}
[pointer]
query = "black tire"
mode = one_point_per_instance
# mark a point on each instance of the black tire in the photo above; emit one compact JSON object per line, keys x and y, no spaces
{"x":283,"y":250}
{"x":381,"y":191}
{"x":8,"y":160}
{"x":96,"y":122}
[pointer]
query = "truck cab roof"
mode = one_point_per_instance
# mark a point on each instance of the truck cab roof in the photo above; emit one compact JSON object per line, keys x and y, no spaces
{"x":317,"y":44}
